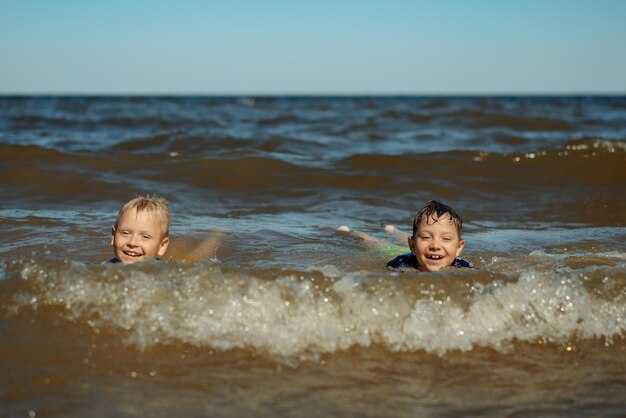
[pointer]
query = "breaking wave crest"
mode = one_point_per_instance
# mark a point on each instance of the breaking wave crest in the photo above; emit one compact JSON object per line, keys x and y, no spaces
{"x":298,"y":315}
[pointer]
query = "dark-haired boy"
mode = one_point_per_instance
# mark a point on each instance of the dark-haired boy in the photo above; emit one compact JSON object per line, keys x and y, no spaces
{"x":436,"y":240}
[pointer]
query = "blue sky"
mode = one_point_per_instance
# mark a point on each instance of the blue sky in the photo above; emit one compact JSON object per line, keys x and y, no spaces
{"x":247,"y":47}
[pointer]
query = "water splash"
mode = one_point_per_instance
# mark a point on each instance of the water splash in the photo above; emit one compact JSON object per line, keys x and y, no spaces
{"x":305,"y":314}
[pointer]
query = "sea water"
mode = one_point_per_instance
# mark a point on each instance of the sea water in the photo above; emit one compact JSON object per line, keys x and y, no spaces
{"x":289,"y":316}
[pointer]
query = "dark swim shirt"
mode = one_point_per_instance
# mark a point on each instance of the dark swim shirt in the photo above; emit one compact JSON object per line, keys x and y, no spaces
{"x":409,"y":260}
{"x":117,"y":260}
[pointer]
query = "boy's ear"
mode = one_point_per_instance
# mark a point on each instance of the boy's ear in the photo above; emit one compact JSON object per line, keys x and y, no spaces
{"x":112,"y":234}
{"x":163,"y":247}
{"x":460,"y":247}
{"x":409,"y":240}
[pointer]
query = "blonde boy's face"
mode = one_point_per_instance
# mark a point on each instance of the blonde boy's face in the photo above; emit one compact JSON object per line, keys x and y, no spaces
{"x":436,"y":244}
{"x":138,"y":237}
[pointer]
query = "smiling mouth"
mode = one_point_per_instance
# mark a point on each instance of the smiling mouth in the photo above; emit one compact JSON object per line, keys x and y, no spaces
{"x":434,"y":257}
{"x":132,"y":254}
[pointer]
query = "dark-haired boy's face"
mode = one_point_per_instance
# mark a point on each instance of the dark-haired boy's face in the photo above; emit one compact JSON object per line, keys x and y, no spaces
{"x":437,"y":243}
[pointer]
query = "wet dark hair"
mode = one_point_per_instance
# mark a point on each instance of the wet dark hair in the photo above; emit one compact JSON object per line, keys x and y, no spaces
{"x":435,"y":207}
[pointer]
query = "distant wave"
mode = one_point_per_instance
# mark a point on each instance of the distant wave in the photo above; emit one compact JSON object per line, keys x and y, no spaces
{"x":589,"y":162}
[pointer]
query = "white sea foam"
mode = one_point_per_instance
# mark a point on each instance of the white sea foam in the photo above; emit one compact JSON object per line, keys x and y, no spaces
{"x":293,"y":315}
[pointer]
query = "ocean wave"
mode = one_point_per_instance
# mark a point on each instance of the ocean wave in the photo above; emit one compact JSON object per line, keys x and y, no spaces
{"x":482,"y":119}
{"x":296,"y":315}
{"x":590,"y":169}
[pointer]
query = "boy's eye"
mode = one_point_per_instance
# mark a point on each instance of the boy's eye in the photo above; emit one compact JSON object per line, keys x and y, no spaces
{"x":146,"y":236}
{"x":125,"y":233}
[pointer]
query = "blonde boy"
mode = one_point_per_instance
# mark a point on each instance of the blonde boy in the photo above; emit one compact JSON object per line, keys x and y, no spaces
{"x":141,"y":230}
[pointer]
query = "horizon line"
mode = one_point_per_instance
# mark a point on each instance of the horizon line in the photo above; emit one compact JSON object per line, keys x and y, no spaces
{"x":304,"y":94}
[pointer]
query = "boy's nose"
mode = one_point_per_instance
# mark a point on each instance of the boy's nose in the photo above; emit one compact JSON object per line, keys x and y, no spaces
{"x":133,"y":240}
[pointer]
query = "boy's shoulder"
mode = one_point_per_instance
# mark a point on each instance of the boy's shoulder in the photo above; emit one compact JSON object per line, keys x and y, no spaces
{"x":403,"y":261}
{"x":409,"y":260}
{"x":462,"y":263}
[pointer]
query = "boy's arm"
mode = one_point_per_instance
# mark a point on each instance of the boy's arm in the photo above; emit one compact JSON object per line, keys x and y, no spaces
{"x":189,"y":250}
{"x":379,"y":247}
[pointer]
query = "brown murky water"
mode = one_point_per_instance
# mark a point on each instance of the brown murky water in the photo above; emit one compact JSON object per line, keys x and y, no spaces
{"x":290,"y":317}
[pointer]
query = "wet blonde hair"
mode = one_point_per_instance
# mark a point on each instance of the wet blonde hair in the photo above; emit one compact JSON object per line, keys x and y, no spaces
{"x":156,"y":206}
